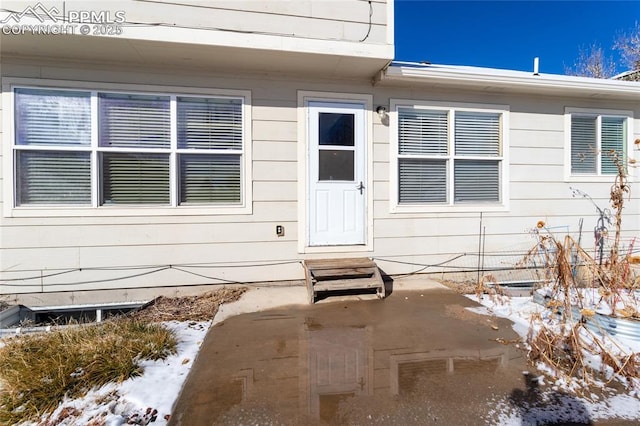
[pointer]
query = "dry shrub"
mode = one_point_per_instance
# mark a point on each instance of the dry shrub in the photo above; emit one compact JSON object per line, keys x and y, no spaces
{"x":557,"y":349}
{"x":564,"y":347}
{"x":568,"y":267}
{"x":488,"y":284}
{"x":38,"y":371}
{"x":461,"y":287}
{"x":202,"y":307}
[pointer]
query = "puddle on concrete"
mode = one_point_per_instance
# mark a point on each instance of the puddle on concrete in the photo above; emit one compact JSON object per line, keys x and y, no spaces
{"x":413,"y":358}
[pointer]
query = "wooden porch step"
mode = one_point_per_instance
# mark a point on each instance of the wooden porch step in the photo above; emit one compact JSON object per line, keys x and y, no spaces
{"x":342,"y":274}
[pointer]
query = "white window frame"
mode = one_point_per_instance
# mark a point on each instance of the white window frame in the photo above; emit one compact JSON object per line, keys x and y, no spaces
{"x":569,"y":112}
{"x":11,"y":209}
{"x":450,"y":206}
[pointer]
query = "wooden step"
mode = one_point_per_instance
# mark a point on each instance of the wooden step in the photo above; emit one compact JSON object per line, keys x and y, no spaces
{"x":347,"y":284}
{"x":342,"y":274}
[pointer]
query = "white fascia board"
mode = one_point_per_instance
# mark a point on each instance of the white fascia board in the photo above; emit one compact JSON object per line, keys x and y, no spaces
{"x":515,"y":80}
{"x":258,"y":41}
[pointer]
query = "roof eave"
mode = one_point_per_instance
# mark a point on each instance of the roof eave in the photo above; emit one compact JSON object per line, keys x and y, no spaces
{"x":535,"y":84}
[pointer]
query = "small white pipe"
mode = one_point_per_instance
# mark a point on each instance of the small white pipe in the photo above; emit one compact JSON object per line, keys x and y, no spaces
{"x":536,"y":64}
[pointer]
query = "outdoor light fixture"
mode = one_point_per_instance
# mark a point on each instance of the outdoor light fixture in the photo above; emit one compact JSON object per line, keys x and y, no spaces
{"x":382,"y":112}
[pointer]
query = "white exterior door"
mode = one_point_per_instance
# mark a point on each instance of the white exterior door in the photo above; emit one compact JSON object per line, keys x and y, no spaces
{"x":337,"y":173}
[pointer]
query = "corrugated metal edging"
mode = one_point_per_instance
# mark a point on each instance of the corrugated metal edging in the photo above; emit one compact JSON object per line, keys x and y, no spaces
{"x":601,"y":324}
{"x":10,"y":316}
{"x":17,"y":331}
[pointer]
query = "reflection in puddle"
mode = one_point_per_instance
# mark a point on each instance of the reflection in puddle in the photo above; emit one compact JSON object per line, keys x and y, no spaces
{"x":395,"y":361}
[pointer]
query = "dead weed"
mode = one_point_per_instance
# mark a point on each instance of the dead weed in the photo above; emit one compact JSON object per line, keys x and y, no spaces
{"x":202,"y":307}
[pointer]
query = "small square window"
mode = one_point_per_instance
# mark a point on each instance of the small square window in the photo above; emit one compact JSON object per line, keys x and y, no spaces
{"x":336,"y":129}
{"x":597,"y":143}
{"x":336,"y":165}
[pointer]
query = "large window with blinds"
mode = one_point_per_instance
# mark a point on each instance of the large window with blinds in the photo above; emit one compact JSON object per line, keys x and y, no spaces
{"x":95,"y":148}
{"x":597,"y":142}
{"x":447,"y":156}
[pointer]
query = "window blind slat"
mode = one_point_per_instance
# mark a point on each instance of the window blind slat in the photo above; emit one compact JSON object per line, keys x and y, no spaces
{"x":422,"y":132}
{"x":422,"y":181}
{"x":134,"y":121}
{"x":52,"y":117}
{"x":46,"y":177}
{"x":135,"y":178}
{"x":477,"y":181}
{"x":584,"y":145}
{"x":612,"y":143}
{"x":477,"y":133}
{"x":206,"y":179}
{"x":209,"y":123}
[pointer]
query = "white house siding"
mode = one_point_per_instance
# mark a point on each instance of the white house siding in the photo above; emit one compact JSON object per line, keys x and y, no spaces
{"x":344,"y":20}
{"x":35,"y":247}
{"x":537,"y":188}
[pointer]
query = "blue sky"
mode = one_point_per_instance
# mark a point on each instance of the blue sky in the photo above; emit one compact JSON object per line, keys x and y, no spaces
{"x":508,"y":34}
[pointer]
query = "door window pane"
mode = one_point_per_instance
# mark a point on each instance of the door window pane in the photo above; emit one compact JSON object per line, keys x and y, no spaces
{"x":336,"y":165}
{"x":336,"y":129}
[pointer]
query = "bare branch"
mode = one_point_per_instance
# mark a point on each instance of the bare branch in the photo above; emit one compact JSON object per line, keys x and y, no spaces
{"x":592,"y":62}
{"x":628,"y":44}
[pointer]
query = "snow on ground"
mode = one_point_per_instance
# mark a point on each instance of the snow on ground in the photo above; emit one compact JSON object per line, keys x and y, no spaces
{"x":139,"y":400}
{"x":557,"y":404}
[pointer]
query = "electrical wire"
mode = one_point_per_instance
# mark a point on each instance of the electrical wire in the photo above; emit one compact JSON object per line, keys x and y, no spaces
{"x":37,"y":277}
{"x":155,"y":269}
{"x":106,"y":280}
{"x":369,"y":29}
{"x":288,"y":262}
{"x":421,"y":264}
{"x":138,"y":267}
{"x":209,"y":277}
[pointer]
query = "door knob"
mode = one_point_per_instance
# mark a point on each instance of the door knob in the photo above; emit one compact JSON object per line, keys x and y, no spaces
{"x":360,"y":187}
